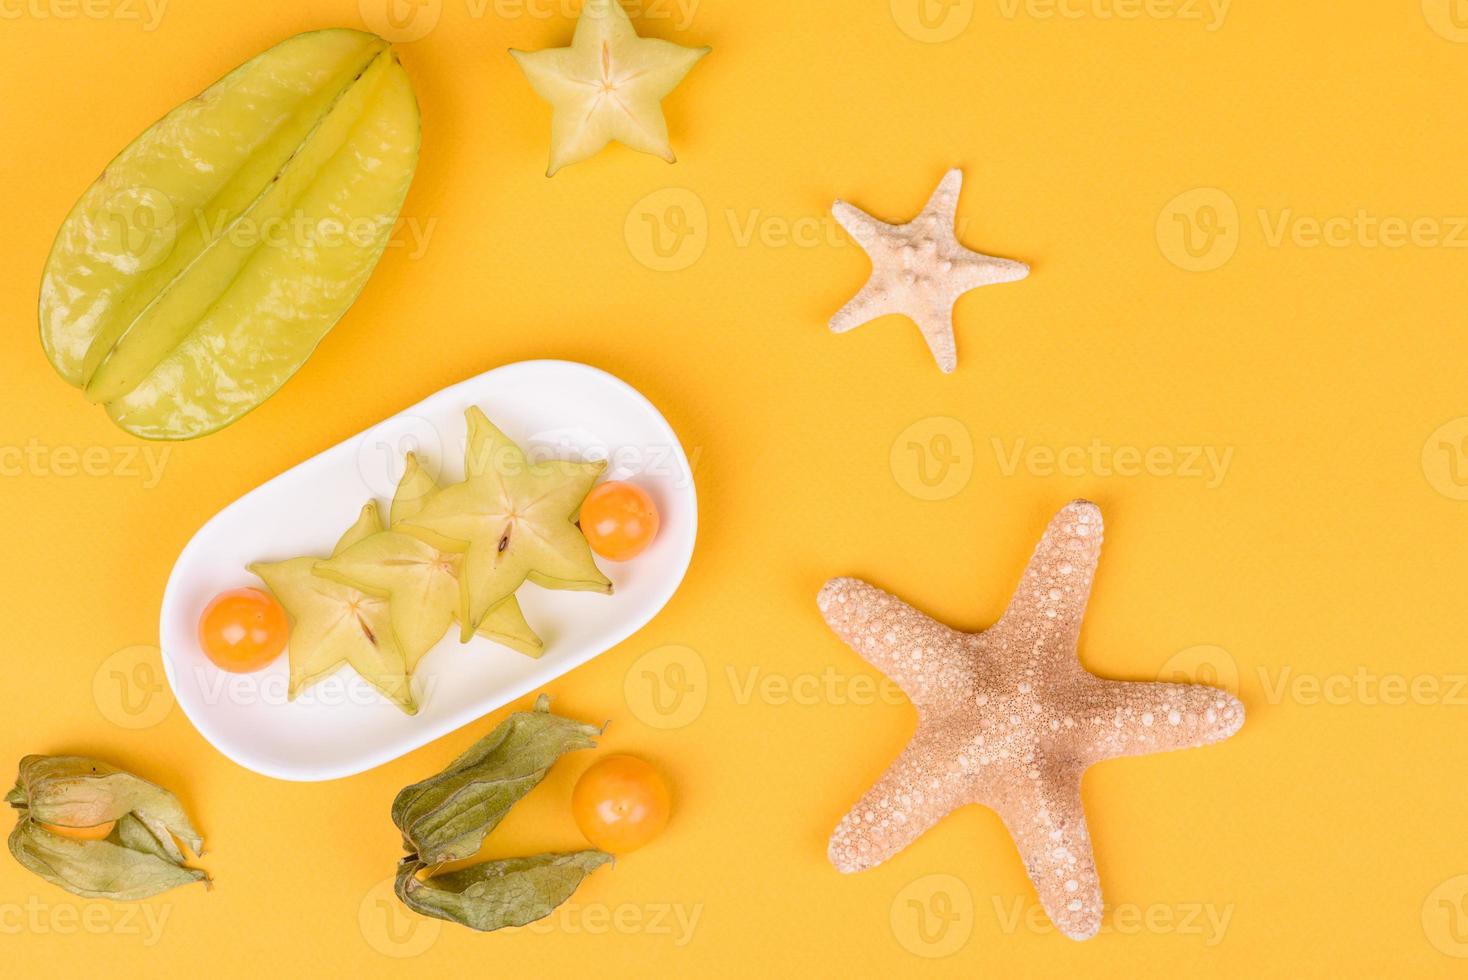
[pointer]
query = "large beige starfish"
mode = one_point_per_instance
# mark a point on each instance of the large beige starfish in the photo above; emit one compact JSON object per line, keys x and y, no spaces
{"x":920,"y":269}
{"x":608,"y":85}
{"x":1009,"y":718}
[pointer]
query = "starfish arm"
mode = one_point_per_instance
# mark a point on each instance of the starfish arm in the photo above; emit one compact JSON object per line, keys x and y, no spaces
{"x":873,"y":301}
{"x":1043,"y":620}
{"x":929,"y":661}
{"x":944,"y":202}
{"x":1120,"y":718}
{"x":936,"y":324}
{"x":1045,"y":817}
{"x":978,"y":269}
{"x":915,"y":792}
{"x":861,"y":226}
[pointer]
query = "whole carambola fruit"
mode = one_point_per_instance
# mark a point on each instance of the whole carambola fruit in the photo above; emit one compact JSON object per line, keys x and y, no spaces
{"x":208,"y":260}
{"x":138,"y":858}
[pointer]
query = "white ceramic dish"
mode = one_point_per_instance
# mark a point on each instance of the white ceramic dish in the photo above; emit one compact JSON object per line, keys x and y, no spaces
{"x":342,"y":726}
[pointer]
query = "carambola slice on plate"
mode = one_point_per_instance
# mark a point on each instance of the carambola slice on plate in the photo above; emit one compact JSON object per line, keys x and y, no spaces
{"x":333,"y":624}
{"x":421,"y":581}
{"x":505,"y":624}
{"x":513,"y":519}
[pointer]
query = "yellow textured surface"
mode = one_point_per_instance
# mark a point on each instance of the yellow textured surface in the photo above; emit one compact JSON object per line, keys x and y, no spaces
{"x":1241,"y":336}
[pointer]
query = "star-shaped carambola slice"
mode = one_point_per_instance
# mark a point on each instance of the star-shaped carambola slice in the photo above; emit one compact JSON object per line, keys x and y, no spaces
{"x":420,"y":582}
{"x":1009,"y":718}
{"x":333,"y":624}
{"x":920,"y":269}
{"x":513,"y":519}
{"x":608,"y":85}
{"x":505,"y":623}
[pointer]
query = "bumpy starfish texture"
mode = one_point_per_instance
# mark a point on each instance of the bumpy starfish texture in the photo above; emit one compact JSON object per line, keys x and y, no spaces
{"x":1010,"y":719}
{"x":608,"y":85}
{"x":920,"y":269}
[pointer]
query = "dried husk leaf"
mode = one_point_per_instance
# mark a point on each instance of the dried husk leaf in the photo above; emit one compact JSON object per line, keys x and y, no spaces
{"x":138,"y":859}
{"x":132,"y":833}
{"x":446,"y":817}
{"x":73,"y":791}
{"x":497,"y":894}
{"x":97,"y":868}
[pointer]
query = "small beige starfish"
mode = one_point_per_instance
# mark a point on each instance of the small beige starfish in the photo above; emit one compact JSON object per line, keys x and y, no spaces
{"x":920,"y":269}
{"x":1009,"y":718}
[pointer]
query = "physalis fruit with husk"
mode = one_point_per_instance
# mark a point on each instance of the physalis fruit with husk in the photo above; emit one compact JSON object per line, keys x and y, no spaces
{"x":63,"y":803}
{"x":448,"y":816}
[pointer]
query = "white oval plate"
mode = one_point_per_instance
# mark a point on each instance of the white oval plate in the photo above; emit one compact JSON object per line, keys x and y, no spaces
{"x":342,"y":725}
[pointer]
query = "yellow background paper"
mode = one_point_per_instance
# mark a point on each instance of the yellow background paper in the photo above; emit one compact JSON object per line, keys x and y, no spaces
{"x":1246,"y":224}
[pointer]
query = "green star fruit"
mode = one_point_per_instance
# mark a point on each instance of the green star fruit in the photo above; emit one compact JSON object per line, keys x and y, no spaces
{"x":333,"y":623}
{"x":420,"y":582}
{"x":505,"y":623}
{"x":512,"y":519}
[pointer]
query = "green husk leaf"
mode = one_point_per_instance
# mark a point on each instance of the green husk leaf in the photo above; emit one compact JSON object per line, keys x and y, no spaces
{"x":139,"y":858}
{"x":497,"y":894}
{"x":133,"y":834}
{"x":447,"y":817}
{"x":72,"y":791}
{"x":96,"y":868}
